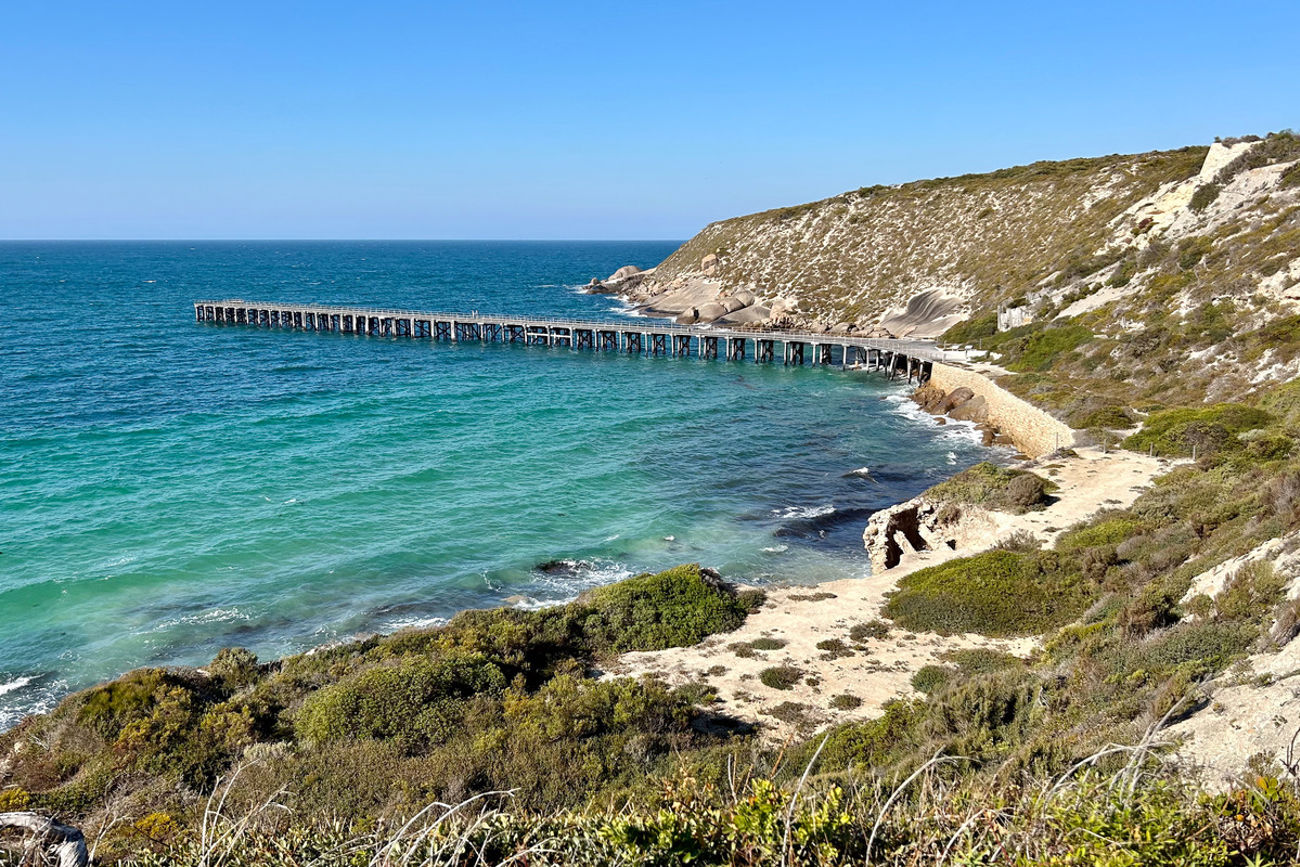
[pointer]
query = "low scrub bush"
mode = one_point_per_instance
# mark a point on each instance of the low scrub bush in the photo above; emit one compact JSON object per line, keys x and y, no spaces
{"x":877,"y":630}
{"x":845,"y":701}
{"x":994,"y":487}
{"x":417,"y":701}
{"x":1109,"y":417}
{"x":998,"y":593}
{"x":932,"y":678}
{"x":669,"y":609}
{"x":981,"y":660}
{"x":1040,"y":346}
{"x":972,"y":331}
{"x":1209,"y":430}
{"x":780,"y":676}
{"x":1204,"y":196}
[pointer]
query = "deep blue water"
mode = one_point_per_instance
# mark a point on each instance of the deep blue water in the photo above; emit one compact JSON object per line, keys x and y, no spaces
{"x":168,"y":488}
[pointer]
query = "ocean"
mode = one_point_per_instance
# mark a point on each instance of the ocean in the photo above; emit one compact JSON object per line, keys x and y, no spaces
{"x":169,"y":488}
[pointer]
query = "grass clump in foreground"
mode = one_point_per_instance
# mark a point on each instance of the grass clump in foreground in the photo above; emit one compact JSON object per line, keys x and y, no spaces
{"x":993,"y":487}
{"x":1115,"y":815}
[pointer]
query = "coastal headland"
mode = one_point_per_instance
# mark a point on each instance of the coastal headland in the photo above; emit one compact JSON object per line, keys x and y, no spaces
{"x":1081,"y":656}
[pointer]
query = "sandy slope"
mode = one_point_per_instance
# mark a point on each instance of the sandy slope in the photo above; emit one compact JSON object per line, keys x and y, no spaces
{"x":878,"y":669}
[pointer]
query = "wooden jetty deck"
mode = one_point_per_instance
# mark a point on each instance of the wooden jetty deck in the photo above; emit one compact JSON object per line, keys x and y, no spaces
{"x":896,"y":357}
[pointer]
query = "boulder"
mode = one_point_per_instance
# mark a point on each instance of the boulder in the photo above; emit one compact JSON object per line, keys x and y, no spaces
{"x":709,"y":263}
{"x":688,"y":317}
{"x":956,"y":398}
{"x":930,"y":398}
{"x":745,"y":297}
{"x":711,"y":311}
{"x":732,"y":304}
{"x":747,"y":316}
{"x":841,"y":328}
{"x":623,"y":273}
{"x":975,"y":409}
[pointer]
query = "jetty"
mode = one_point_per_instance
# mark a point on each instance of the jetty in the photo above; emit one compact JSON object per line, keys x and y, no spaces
{"x":896,"y":357}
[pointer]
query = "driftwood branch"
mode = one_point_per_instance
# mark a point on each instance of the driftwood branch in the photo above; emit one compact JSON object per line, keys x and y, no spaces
{"x":63,"y":845}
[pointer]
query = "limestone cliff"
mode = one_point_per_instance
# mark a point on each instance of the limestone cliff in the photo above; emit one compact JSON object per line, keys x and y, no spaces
{"x":919,"y":256}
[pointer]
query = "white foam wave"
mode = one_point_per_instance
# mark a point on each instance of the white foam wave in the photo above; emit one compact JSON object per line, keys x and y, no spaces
{"x":413,"y":623}
{"x":805,"y":511}
{"x":776,"y":549}
{"x":15,"y":685}
{"x":216,"y":615}
{"x":555,"y":589}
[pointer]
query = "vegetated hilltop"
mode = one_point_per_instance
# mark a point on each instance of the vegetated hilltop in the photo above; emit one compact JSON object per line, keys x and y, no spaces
{"x":979,"y":239}
{"x":1189,"y":245}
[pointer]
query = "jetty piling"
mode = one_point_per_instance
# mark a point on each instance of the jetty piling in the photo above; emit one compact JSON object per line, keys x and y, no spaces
{"x":895,"y":357}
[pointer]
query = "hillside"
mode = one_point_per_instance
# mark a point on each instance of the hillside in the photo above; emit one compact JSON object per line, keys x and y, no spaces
{"x":1161,"y":278}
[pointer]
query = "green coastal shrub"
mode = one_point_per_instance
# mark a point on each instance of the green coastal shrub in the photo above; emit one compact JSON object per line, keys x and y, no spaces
{"x":1110,"y":417}
{"x":780,"y":676}
{"x":846,"y":701}
{"x":930,"y":679}
{"x":669,"y":609}
{"x":994,"y":487}
{"x":1209,"y":430}
{"x":1105,"y":529}
{"x":972,"y":331}
{"x":981,"y":660}
{"x":234,"y":667}
{"x":1204,"y":196}
{"x":872,"y":630}
{"x":873,"y":742}
{"x":1040,"y":345}
{"x":997,"y":593}
{"x":14,"y":799}
{"x":134,"y":697}
{"x":416,"y":701}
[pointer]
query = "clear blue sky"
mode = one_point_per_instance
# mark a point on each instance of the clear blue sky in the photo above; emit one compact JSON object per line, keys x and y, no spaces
{"x":584,"y":120}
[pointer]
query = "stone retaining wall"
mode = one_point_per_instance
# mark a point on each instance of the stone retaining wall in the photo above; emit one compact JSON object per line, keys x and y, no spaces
{"x":1033,"y":430}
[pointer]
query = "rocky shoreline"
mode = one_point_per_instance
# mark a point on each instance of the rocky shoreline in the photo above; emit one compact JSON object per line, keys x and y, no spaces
{"x":703,"y":298}
{"x":967,"y":394}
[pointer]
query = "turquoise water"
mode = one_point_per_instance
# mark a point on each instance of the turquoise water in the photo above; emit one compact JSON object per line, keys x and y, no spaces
{"x":169,"y":488}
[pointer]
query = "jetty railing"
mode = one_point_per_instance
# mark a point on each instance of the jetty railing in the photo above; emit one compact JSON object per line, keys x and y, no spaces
{"x":897,"y":357}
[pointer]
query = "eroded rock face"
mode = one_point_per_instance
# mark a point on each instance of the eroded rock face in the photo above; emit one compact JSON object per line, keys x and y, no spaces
{"x":908,"y":528}
{"x":919,"y":525}
{"x":926,"y":314}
